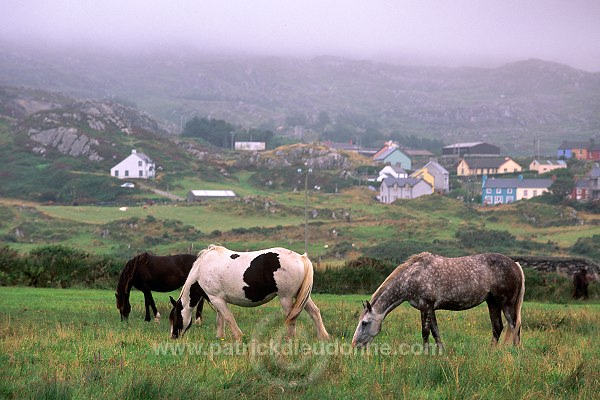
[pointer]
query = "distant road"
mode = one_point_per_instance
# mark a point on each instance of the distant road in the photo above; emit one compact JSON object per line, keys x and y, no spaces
{"x":159,"y":192}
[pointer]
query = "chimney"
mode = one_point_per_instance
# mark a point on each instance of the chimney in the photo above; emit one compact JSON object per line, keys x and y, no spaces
{"x":134,"y":151}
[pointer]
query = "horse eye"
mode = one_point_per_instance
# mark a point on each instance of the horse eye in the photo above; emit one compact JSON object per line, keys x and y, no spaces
{"x":364,"y":323}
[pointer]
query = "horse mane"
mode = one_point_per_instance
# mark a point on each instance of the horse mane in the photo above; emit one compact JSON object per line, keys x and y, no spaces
{"x":411,"y":260}
{"x":129,"y":270}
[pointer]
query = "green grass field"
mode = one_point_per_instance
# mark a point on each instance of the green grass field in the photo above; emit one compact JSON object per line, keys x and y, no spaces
{"x":67,"y":343}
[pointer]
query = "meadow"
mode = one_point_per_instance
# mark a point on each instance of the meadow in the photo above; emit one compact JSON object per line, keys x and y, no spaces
{"x":69,"y":343}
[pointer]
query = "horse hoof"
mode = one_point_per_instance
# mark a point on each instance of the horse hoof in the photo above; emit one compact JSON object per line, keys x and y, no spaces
{"x":198,"y":321}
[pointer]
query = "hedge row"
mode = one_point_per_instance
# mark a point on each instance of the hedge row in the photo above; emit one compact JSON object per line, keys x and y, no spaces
{"x":62,"y":267}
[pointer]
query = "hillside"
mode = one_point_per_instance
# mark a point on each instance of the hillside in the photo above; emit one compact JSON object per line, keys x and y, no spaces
{"x":343,"y":99}
{"x":56,"y":148}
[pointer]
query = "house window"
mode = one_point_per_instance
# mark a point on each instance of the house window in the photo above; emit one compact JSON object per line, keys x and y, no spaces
{"x":116,"y":172}
{"x":525,"y":193}
{"x":509,"y":191}
{"x":578,"y":190}
{"x":510,"y":199}
{"x":498,"y":200}
{"x":488,"y":191}
{"x":488,"y":200}
{"x":498,"y":191}
{"x":534,"y":193}
{"x":141,"y":173}
{"x":127,"y":172}
{"x":505,"y":169}
{"x":139,"y":163}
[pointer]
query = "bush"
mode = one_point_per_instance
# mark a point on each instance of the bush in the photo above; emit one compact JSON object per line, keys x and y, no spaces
{"x":362,"y":275}
{"x":58,"y":266}
{"x":588,"y":247}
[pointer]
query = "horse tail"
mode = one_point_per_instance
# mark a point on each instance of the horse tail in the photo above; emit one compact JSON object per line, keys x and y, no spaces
{"x":518,"y":305}
{"x":303,"y":292}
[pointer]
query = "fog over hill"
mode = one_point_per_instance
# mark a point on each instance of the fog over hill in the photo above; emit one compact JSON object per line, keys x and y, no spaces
{"x":340,"y":99}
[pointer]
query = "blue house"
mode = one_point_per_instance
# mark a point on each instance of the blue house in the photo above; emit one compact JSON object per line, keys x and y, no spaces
{"x":392,"y":155}
{"x":503,"y":191}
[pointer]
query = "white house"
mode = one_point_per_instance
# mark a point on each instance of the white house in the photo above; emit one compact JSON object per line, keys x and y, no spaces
{"x":392,"y":189}
{"x":392,"y":171}
{"x":136,"y":165}
{"x":250,"y":146}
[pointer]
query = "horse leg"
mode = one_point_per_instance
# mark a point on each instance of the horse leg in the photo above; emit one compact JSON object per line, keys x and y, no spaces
{"x":220,"y":326}
{"x":199,"y":311}
{"x":514,"y":332}
{"x":287,"y":303}
{"x":496,"y":319}
{"x":425,"y":326}
{"x":434,"y":329}
{"x":221,"y":306}
{"x":312,"y":310}
{"x":148,"y":300}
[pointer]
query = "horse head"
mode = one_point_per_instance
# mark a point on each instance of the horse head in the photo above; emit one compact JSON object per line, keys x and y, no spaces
{"x":368,"y":327}
{"x":123,"y":305}
{"x":176,"y":319}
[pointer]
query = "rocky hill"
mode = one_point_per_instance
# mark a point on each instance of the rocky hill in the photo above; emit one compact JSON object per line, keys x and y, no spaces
{"x":91,"y":129}
{"x":342,"y":99}
{"x":53,"y":143}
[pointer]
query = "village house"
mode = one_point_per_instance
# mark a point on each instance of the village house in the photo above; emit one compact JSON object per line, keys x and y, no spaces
{"x":580,"y":150}
{"x":391,"y":154}
{"x":136,"y":165}
{"x":588,"y":187}
{"x":250,"y":146}
{"x":391,"y":171}
{"x":436,"y":175}
{"x":392,"y":189}
{"x":546,"y":165}
{"x":471,"y":149}
{"x":508,"y":190}
{"x":487,"y":166}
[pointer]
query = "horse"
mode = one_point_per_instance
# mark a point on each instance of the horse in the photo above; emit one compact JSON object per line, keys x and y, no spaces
{"x":247,"y":279}
{"x":431,"y":282}
{"x":147,"y":272}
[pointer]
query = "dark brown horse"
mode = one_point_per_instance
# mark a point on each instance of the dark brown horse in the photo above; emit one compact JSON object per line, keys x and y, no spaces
{"x":430,"y":282}
{"x":148,"y":273}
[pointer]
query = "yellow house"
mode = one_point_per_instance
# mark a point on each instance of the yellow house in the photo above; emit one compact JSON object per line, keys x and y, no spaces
{"x":424,"y":174}
{"x":487,"y":166}
{"x":546,"y":166}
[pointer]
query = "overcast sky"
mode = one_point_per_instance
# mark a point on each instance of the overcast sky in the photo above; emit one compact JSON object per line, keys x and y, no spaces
{"x":455,"y":33}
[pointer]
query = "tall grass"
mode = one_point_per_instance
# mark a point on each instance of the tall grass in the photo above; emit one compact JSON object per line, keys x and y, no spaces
{"x":70,"y":344}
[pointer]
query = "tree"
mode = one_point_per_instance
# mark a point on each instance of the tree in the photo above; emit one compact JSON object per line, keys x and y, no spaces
{"x":563,"y":184}
{"x":215,"y":131}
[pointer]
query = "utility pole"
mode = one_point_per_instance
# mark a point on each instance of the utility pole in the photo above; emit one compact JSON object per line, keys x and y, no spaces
{"x":306,"y":173}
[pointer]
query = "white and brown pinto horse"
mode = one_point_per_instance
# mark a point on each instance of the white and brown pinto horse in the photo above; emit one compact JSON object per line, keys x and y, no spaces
{"x":430,"y":282}
{"x":247,"y":279}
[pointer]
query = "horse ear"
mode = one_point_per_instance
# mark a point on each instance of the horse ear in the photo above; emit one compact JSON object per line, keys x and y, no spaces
{"x":172,"y":301}
{"x":369,"y":306}
{"x":117,"y":296}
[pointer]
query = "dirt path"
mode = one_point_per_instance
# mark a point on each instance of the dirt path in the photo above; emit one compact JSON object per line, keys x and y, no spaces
{"x":160,"y":192}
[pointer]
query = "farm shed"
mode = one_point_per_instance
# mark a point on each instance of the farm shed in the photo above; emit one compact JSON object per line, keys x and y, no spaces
{"x":199,"y":195}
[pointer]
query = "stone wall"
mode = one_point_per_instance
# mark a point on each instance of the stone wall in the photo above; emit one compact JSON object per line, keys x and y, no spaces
{"x":565,"y":266}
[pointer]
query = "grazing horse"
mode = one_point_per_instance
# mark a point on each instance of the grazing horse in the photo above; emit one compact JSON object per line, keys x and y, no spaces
{"x":247,"y":279}
{"x":147,"y":273}
{"x":430,"y":282}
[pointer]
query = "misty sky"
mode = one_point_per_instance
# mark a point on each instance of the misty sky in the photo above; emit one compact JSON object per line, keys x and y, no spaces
{"x":455,"y":33}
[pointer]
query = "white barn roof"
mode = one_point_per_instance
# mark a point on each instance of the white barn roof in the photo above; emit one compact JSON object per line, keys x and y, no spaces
{"x":213,"y":193}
